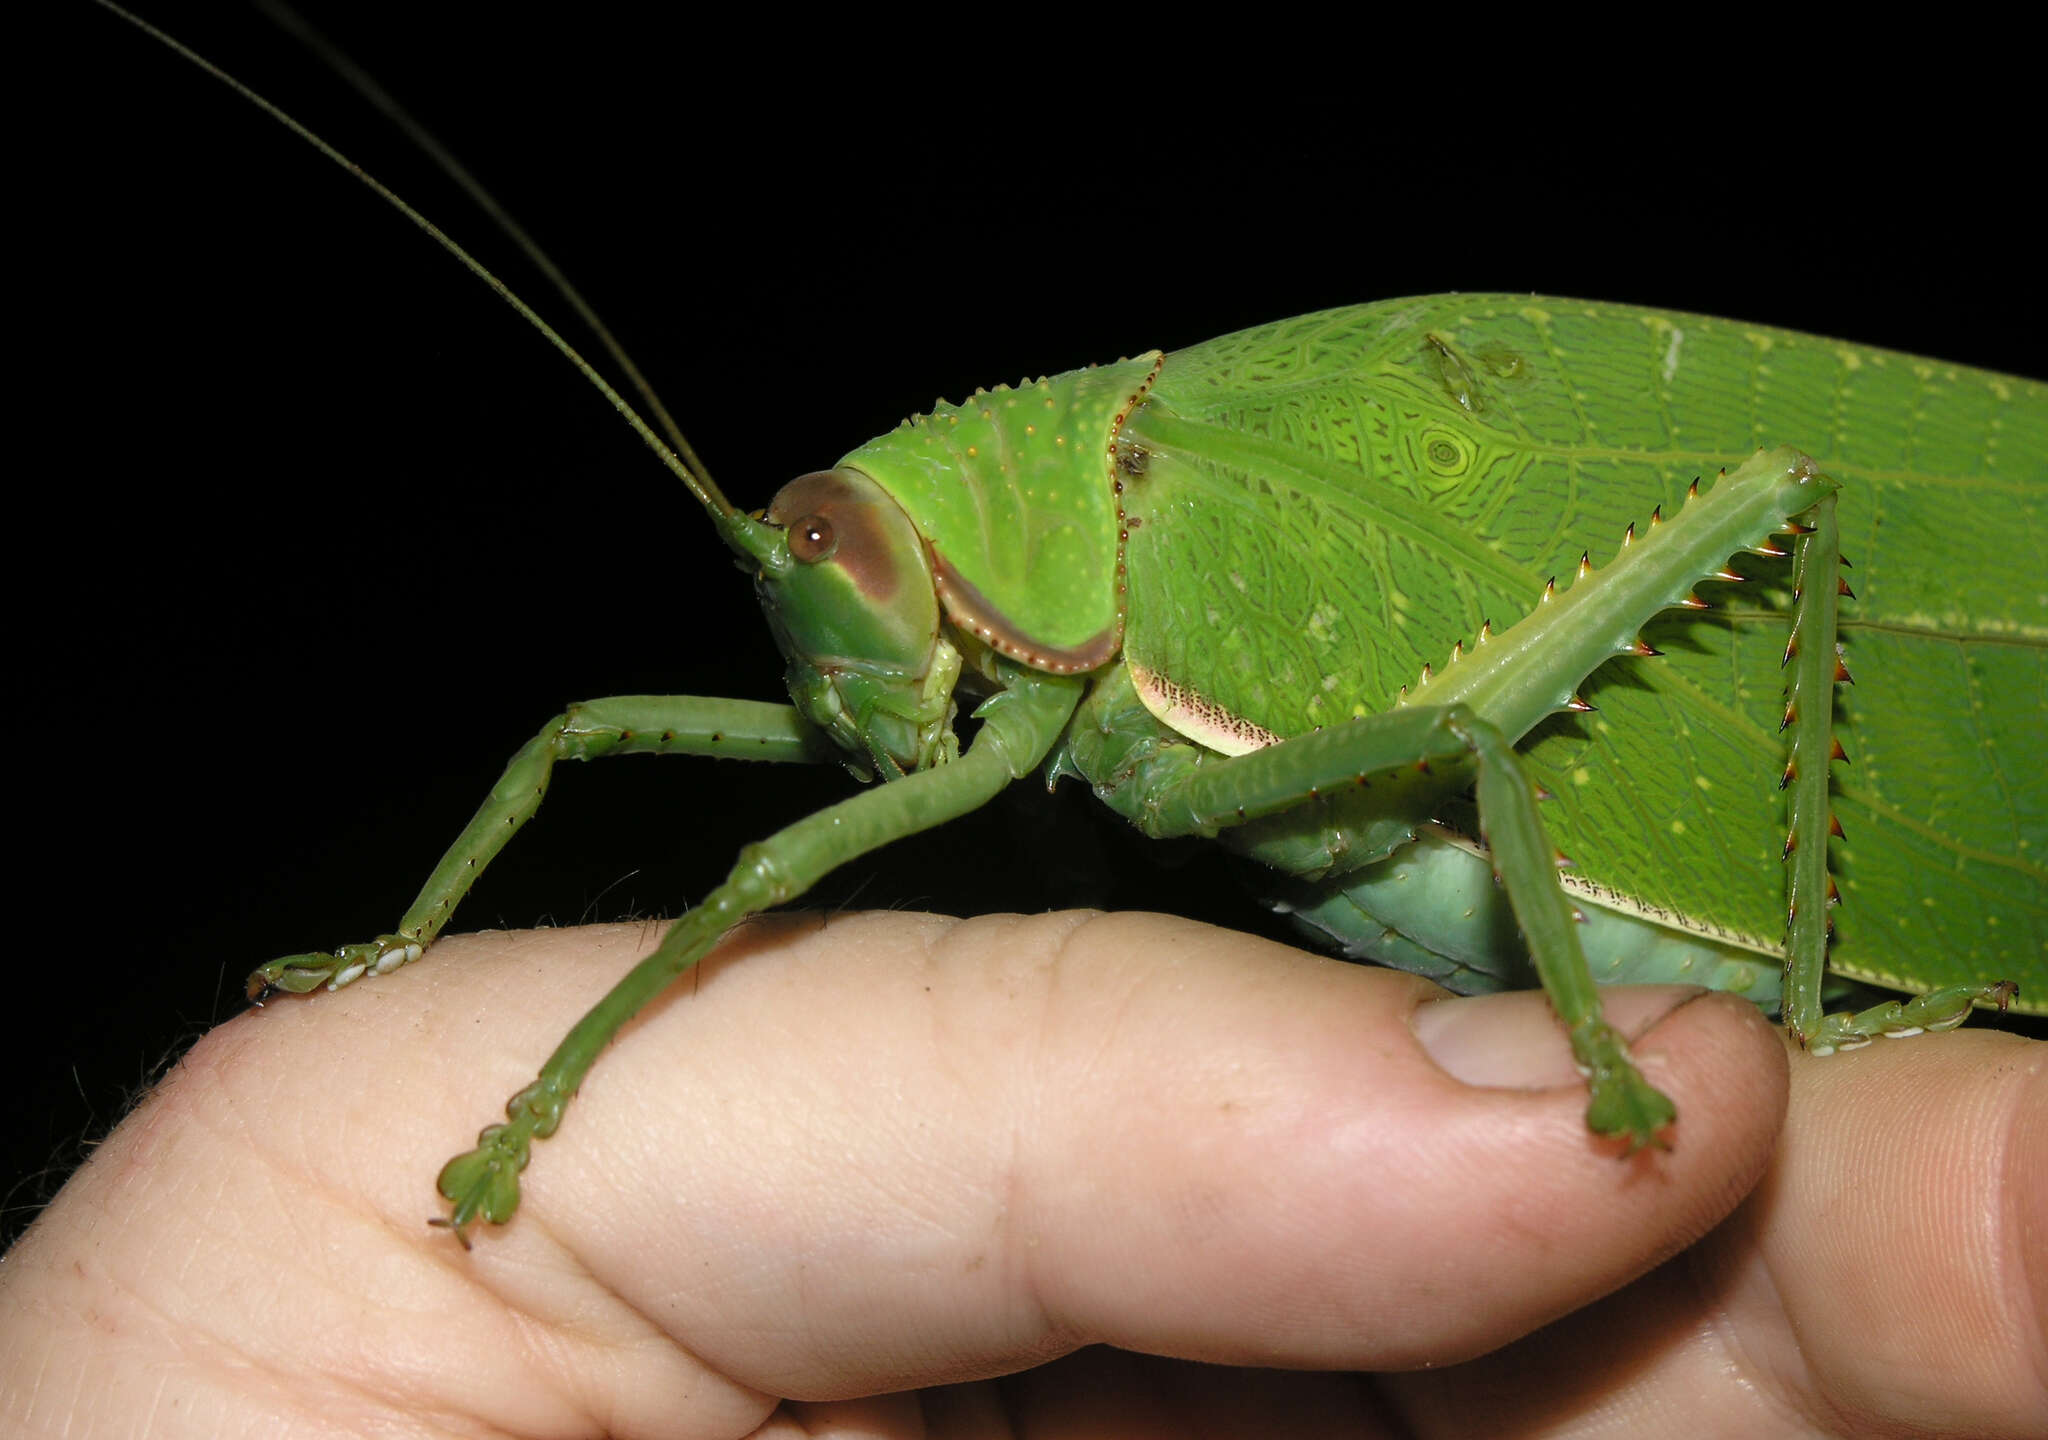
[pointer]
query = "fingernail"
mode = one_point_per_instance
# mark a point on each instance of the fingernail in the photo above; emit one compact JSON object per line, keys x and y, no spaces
{"x":1516,"y":1040}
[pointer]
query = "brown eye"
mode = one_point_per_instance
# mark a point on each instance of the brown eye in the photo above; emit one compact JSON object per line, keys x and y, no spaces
{"x":811,"y":539}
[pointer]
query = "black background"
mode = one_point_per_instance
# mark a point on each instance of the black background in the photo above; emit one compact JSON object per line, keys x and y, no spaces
{"x":334,"y":533}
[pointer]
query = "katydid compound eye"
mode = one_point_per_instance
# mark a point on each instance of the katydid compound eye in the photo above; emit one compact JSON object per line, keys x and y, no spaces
{"x":811,"y":539}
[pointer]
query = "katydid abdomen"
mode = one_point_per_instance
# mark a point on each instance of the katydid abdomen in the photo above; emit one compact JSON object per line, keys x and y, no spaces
{"x":1329,"y":505}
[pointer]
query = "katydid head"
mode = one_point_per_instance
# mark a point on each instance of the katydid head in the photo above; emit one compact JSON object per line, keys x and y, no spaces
{"x":846,"y":582}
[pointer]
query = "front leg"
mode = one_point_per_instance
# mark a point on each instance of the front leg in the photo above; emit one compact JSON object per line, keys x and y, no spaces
{"x":621,"y":725}
{"x":1019,"y":725}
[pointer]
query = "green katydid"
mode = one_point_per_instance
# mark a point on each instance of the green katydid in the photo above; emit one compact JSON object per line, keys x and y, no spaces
{"x":1475,"y":366}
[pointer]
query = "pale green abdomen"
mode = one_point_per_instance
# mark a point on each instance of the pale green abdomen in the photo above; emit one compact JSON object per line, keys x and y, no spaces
{"x":1327,"y":505}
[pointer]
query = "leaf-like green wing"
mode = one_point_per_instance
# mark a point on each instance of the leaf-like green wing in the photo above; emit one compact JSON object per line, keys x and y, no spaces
{"x":1328,"y":504}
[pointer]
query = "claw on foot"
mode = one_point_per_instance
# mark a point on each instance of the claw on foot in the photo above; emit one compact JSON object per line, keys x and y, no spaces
{"x":483,"y":1184}
{"x":1901,"y":1019}
{"x":300,"y":974}
{"x":1624,"y":1106}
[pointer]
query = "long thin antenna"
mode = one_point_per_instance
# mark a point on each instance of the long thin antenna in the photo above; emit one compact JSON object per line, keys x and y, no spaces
{"x":374,"y":94}
{"x":730,"y":521}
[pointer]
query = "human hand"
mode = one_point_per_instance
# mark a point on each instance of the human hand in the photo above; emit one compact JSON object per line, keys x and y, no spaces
{"x":855,"y":1168}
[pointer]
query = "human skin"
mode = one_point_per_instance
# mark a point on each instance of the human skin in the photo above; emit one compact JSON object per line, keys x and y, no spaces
{"x":898,"y":1175}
